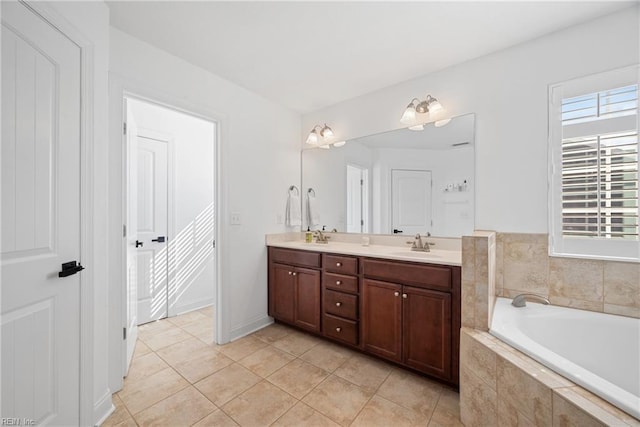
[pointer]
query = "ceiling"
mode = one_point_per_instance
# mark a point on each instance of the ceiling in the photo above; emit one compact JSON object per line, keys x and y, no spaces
{"x":310,"y":55}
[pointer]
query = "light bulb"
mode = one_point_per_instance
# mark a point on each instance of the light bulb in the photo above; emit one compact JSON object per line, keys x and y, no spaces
{"x":409,"y":115}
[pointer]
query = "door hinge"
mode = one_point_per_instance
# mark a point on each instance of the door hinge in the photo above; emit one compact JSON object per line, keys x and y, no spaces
{"x":362,"y":182}
{"x":124,"y":333}
{"x":362,"y":222}
{"x":124,"y":230}
{"x":214,"y":243}
{"x":124,"y":128}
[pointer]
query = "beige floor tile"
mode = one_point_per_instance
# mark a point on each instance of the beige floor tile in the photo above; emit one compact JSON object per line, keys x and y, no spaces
{"x":202,"y":329}
{"x":140,"y":394}
{"x":298,"y":378}
{"x":411,"y":391}
{"x":382,"y":412}
{"x":186,"y":318}
{"x":145,"y":366}
{"x":203,"y":364}
{"x":266,"y":361}
{"x":141,"y":349}
{"x":207,"y":311}
{"x":183,"y":351}
{"x":227,"y":383}
{"x":338,"y":399}
{"x":241,"y":348}
{"x":152,"y":328}
{"x":129,"y":422}
{"x":447,"y":412}
{"x":120,"y":415}
{"x":181,"y":409}
{"x":216,"y":419}
{"x":364,"y":371}
{"x":296,"y":343}
{"x":166,"y":338}
{"x":261,"y":405}
{"x":302,"y":415}
{"x":327,"y":356}
{"x":272,"y":333}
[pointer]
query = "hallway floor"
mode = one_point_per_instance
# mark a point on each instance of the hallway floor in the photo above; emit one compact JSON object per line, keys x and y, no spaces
{"x":276,"y":376}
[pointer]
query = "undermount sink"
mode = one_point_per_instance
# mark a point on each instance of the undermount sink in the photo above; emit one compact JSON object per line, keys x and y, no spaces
{"x":416,"y":254}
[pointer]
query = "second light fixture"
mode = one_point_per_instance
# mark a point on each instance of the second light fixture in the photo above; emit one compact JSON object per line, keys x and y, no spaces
{"x":321,"y":137}
{"x":429,"y":105}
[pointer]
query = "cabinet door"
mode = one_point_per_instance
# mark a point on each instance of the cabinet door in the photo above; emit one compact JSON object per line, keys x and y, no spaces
{"x":282,"y":292}
{"x":427,"y":331}
{"x":382,"y":319}
{"x":307,"y":307}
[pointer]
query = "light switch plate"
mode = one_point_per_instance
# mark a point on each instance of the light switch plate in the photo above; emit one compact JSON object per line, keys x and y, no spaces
{"x":235,"y":218}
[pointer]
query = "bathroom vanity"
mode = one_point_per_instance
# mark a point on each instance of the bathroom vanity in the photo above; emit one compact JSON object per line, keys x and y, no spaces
{"x":397,"y":305}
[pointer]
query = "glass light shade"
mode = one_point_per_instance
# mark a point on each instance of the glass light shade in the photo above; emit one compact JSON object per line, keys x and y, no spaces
{"x":325,"y":146}
{"x":312,"y":138}
{"x":441,"y":123}
{"x":339,"y":143}
{"x":434,"y":106}
{"x":326,"y":132}
{"x":409,"y":115}
{"x":416,"y":127}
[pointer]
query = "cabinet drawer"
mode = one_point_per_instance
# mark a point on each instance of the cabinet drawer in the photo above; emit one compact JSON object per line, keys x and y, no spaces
{"x":293,"y":257}
{"x":340,"y":329}
{"x":340,"y":264}
{"x":340,"y":282}
{"x":341,"y":304}
{"x":428,"y":276}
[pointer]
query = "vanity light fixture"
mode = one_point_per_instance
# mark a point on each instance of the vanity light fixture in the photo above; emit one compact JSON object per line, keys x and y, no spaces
{"x":440,"y":123}
{"x":429,"y":105}
{"x":339,"y":143}
{"x":325,"y":132}
{"x":416,"y":127}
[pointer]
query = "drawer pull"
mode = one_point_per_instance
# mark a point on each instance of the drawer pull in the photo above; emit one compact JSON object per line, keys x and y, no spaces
{"x":290,"y":273}
{"x":338,"y":282}
{"x":338,"y":304}
{"x":404,"y":295}
{"x":338,"y":264}
{"x":338,"y":329}
{"x":396,"y":294}
{"x":294,"y":273}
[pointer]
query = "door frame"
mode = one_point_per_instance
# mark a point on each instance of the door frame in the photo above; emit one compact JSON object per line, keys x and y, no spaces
{"x":119,"y":88}
{"x":87,"y":286}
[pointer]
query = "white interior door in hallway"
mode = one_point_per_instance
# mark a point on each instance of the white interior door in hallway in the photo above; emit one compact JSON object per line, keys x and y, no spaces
{"x":175,"y":189}
{"x":411,"y":201}
{"x":40,"y":199}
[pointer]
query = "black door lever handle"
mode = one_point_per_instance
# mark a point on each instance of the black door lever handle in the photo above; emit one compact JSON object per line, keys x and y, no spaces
{"x":160,"y":239}
{"x":69,"y":268}
{"x":139,"y":243}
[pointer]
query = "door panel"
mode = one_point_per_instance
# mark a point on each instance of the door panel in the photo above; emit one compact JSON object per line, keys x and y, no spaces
{"x":382,"y":318}
{"x":283,"y":293}
{"x":411,"y":201}
{"x":308,"y":299}
{"x":427,"y":331}
{"x":152,"y":206}
{"x":40,"y":219}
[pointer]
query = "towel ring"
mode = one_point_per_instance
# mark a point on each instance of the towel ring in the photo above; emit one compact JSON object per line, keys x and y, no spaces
{"x":311,"y":191}
{"x":293,"y":187}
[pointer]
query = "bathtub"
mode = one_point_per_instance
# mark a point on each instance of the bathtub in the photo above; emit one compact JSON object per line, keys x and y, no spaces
{"x":600,"y":352}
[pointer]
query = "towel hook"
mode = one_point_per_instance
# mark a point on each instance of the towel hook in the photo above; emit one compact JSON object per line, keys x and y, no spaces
{"x":293,"y":187}
{"x":311,"y":191}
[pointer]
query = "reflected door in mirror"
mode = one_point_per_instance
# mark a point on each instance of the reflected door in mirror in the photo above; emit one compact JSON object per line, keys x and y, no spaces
{"x":357,"y":199}
{"x":411,"y":201}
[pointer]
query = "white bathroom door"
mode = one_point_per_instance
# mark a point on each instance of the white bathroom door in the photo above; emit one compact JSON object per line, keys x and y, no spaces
{"x":40,"y":196}
{"x":357,"y":199}
{"x":131,"y":236}
{"x":411,"y":201}
{"x":153,"y":208}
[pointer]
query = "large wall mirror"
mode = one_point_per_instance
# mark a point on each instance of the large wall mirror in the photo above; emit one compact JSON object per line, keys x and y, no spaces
{"x":401,"y":181}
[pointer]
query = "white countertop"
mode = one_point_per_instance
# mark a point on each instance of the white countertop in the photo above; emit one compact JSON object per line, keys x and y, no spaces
{"x":435,"y":256}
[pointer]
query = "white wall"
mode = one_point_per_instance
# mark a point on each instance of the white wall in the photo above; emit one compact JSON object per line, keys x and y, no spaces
{"x":260,"y":158}
{"x":90,"y":21}
{"x":508,"y":92}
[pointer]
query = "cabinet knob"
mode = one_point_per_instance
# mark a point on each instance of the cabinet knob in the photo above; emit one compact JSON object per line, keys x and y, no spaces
{"x":403,"y":295}
{"x":338,"y":304}
{"x":294,"y":273}
{"x":338,"y":329}
{"x":338,"y":264}
{"x":338,"y":282}
{"x":290,"y":273}
{"x":396,"y":294}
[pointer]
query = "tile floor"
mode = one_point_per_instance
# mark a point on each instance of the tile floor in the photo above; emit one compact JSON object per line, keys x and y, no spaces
{"x":276,"y":376}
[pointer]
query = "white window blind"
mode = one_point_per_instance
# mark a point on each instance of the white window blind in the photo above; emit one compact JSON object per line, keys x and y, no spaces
{"x":595,"y":173}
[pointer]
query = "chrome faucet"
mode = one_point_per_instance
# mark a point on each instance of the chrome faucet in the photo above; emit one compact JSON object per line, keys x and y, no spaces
{"x":418,"y":245}
{"x":320,"y":237}
{"x":521,"y":300}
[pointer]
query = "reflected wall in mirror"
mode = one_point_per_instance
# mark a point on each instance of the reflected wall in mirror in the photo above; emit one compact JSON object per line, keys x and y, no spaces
{"x":401,"y":181}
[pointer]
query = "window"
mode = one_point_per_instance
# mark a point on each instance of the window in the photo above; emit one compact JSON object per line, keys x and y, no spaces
{"x":594,"y":167}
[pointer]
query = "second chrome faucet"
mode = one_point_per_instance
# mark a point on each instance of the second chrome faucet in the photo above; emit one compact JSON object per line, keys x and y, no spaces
{"x":418,"y":245}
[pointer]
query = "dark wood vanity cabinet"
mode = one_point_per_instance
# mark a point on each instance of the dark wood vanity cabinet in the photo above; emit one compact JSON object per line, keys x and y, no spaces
{"x":405,"y":312}
{"x":294,"y":288}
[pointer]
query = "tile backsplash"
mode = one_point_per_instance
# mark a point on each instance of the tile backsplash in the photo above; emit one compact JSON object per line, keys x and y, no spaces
{"x":523,"y":265}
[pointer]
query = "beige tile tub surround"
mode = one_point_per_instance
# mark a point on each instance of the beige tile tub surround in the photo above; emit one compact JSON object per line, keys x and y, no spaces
{"x":501,"y":386}
{"x":478,"y":279}
{"x":523,"y":265}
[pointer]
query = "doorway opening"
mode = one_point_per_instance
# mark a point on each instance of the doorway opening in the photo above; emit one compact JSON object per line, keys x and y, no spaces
{"x":357,"y":199}
{"x":170,"y":185}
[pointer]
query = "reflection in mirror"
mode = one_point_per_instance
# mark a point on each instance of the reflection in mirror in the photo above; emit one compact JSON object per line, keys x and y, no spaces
{"x":401,"y":181}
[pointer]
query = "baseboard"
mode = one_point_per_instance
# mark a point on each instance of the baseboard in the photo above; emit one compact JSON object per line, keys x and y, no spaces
{"x":249,"y":328}
{"x":103,"y":408}
{"x":182,"y":309}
